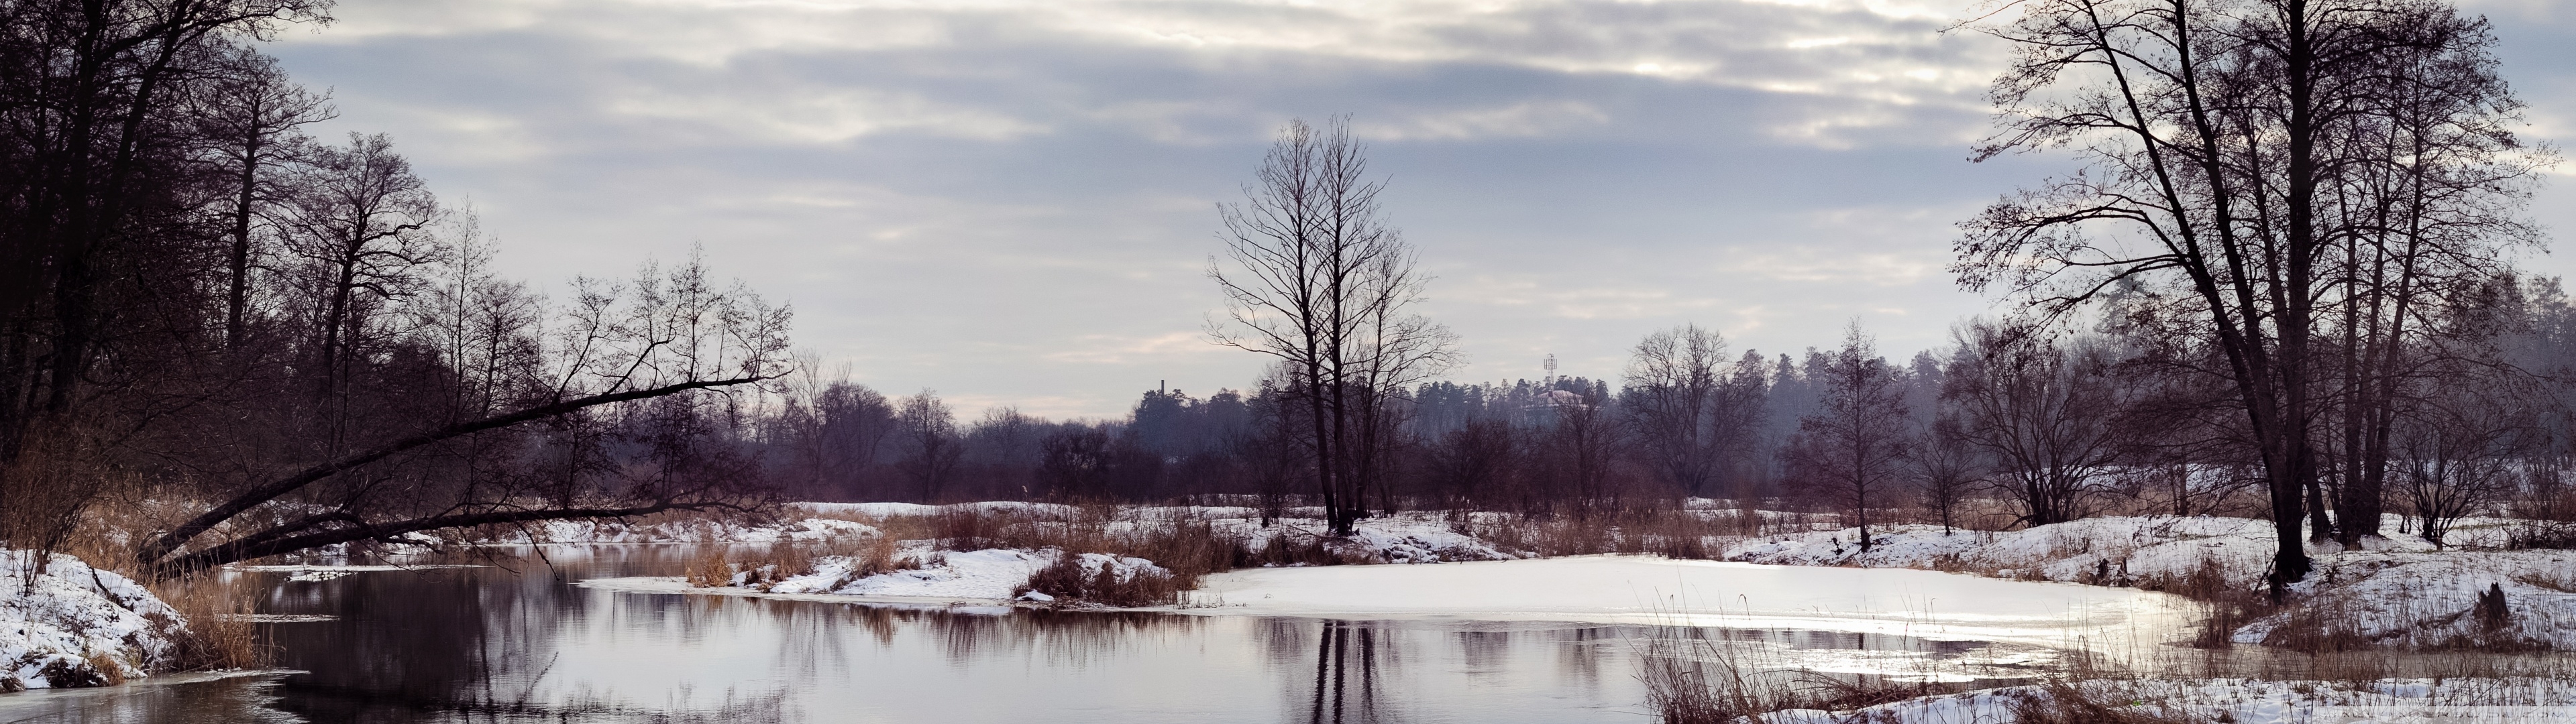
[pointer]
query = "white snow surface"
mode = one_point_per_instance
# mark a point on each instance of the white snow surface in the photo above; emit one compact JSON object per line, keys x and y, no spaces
{"x":984,"y":575}
{"x":988,"y":576}
{"x":2411,"y":701}
{"x":52,"y":631}
{"x":2398,"y":591}
{"x":614,"y":531}
{"x":1653,"y":590}
{"x":2401,"y":591}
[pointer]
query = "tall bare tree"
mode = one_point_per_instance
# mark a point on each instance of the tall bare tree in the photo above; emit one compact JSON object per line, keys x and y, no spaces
{"x":931,"y":443}
{"x":1672,"y":394}
{"x":2042,"y":410}
{"x":2215,"y":134}
{"x":251,"y":118}
{"x":1314,"y":277}
{"x":360,"y":222}
{"x":1853,"y":449}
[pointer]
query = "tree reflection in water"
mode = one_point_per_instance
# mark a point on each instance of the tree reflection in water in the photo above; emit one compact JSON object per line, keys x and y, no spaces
{"x":524,"y":643}
{"x":1340,"y":694}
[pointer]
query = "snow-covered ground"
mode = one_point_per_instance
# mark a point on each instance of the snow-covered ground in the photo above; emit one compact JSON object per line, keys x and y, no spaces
{"x":2243,"y":701}
{"x":681,"y":531}
{"x":1654,"y":590}
{"x":988,"y":576}
{"x":76,"y":625}
{"x":2400,"y":591}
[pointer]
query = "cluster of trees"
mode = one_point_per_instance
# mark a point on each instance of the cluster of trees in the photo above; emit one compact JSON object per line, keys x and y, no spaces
{"x":2014,"y":422}
{"x":2284,"y":268}
{"x":2313,"y":201}
{"x":292,"y":342}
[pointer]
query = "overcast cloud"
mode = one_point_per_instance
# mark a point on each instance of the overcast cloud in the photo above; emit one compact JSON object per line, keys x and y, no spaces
{"x":1012,"y":202}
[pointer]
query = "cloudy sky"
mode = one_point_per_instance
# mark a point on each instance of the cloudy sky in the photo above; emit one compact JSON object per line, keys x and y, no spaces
{"x":1013,"y":202}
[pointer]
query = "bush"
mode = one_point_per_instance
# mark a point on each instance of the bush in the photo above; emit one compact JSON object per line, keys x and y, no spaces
{"x":1071,"y":579}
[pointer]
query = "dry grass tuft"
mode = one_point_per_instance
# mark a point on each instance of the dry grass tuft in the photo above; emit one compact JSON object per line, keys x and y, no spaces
{"x":1668,"y":533}
{"x":1069,"y":581}
{"x":2059,"y":701}
{"x":1693,"y":680}
{"x":217,"y":632}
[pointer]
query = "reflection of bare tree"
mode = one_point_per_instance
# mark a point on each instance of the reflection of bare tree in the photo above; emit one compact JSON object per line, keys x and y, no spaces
{"x":1068,"y":639}
{"x":1342,"y":695}
{"x":1578,"y":654}
{"x":1485,"y":652}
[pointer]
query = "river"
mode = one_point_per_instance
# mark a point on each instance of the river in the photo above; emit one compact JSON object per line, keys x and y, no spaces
{"x":517,"y":641}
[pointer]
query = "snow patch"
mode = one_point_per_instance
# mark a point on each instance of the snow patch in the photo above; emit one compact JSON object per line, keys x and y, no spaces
{"x":1660,"y":591}
{"x":72,"y":625}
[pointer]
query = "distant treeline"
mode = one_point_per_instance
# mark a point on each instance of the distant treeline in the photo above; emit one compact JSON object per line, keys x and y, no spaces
{"x":2046,"y":423}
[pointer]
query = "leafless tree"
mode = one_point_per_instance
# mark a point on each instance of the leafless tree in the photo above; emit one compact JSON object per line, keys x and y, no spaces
{"x":1314,"y":277}
{"x":1471,"y":465}
{"x":251,"y":117}
{"x":647,"y":350}
{"x":359,"y":221}
{"x":1853,"y":449}
{"x":2215,"y":133}
{"x":931,"y":443}
{"x":1672,"y":397}
{"x":1581,"y":434}
{"x":2041,"y":410}
{"x":2461,"y":454}
{"x":1949,"y":468}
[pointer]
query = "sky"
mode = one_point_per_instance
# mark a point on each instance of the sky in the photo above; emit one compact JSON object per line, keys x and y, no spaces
{"x":1014,"y":203}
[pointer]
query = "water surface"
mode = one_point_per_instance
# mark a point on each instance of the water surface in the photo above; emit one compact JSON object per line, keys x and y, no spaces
{"x":518,"y":641}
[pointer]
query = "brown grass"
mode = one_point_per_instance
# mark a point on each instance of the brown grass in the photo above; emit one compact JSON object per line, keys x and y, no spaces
{"x":1068,"y":581}
{"x":2061,"y":701}
{"x":218,"y":632}
{"x":716,"y":564}
{"x":1664,"y":532}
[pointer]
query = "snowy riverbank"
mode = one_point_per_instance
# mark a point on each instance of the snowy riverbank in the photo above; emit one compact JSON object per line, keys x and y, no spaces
{"x":1623,"y":589}
{"x":72,"y":625}
{"x":2400,"y":592}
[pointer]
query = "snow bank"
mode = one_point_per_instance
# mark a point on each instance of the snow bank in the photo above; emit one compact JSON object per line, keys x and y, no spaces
{"x":2093,"y":550}
{"x":616,"y":531}
{"x":887,"y":510}
{"x":1414,"y":537}
{"x":1650,"y":590}
{"x":2399,"y":591}
{"x":2411,"y":599}
{"x":76,"y":625}
{"x":988,"y":576}
{"x":2246,"y":702}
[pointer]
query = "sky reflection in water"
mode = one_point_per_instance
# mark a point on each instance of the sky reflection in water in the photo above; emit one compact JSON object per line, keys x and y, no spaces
{"x":519,"y":642}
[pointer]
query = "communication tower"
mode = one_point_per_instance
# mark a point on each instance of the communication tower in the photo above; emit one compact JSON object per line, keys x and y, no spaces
{"x":1550,"y":364}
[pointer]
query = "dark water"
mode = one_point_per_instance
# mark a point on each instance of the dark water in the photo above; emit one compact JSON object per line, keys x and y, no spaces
{"x":518,"y":642}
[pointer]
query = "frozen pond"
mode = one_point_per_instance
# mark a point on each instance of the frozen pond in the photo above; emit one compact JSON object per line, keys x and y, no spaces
{"x":521,"y":642}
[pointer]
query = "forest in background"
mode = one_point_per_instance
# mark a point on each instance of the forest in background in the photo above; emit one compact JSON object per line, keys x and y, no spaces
{"x":224,"y":338}
{"x":2281,"y":284}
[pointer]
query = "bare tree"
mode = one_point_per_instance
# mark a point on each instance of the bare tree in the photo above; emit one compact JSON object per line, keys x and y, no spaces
{"x":1672,"y":394}
{"x":2215,"y":136}
{"x":250,"y":118}
{"x":2042,"y":411}
{"x":647,"y":349}
{"x":1584,"y":434}
{"x":1853,"y":449}
{"x":1471,"y":465}
{"x":359,"y":220}
{"x":1949,"y":468}
{"x":931,"y":444}
{"x":1318,"y":280}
